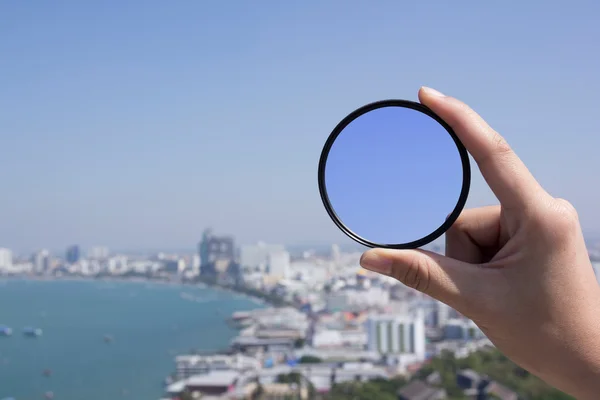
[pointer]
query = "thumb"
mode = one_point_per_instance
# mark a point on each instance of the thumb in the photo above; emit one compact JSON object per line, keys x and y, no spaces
{"x":448,"y":280}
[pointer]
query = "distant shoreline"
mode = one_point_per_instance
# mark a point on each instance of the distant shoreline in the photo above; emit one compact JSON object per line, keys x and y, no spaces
{"x":138,"y":280}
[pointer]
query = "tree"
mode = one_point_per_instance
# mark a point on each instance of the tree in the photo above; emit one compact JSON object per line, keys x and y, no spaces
{"x":292,"y":377}
{"x":186,"y":395}
{"x":384,"y":389}
{"x":359,"y":391}
{"x":298,"y":379}
{"x":310,"y":360}
{"x":495,"y":366}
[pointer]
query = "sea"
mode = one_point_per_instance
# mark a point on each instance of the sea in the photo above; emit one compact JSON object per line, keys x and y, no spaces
{"x":149,"y":324}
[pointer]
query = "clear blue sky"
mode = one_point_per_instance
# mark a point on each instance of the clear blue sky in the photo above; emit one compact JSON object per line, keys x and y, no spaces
{"x":136,"y":124}
{"x":393,"y":175}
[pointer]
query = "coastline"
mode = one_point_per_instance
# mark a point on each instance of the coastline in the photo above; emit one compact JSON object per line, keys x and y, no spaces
{"x":258,"y":297}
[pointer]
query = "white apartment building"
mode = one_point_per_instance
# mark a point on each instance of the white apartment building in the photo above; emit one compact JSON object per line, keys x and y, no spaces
{"x":351,"y":299}
{"x":41,"y":261}
{"x":99,"y":253}
{"x":5,"y":259}
{"x":256,"y":255}
{"x":391,"y":334}
{"x":278,"y":264}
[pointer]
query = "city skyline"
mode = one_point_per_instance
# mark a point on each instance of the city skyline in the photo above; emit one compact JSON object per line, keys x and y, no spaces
{"x":141,"y":128}
{"x":347,"y":245}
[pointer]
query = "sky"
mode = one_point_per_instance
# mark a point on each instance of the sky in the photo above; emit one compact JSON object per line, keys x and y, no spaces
{"x":138,"y":124}
{"x":393,"y":175}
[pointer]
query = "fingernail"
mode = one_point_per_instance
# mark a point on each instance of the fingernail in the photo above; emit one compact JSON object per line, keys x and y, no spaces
{"x":374,"y":262}
{"x":432,"y":92}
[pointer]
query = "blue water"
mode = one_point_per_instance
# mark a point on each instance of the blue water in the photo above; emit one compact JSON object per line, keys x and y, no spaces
{"x":150,"y":323}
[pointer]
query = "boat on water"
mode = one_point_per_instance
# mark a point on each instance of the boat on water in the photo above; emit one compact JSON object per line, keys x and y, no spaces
{"x":168,"y":381}
{"x":32,"y":332}
{"x":240,"y":320}
{"x":240,"y":323}
{"x":5,"y":331}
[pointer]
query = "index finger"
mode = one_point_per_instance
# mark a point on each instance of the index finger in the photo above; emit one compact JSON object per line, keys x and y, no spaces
{"x":505,"y":173}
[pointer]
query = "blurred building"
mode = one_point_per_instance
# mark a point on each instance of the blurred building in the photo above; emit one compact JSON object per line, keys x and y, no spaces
{"x":441,"y":314}
{"x":336,"y":254}
{"x":5,"y":258}
{"x":174,"y":266}
{"x":278,"y":264}
{"x":462,"y":329}
{"x":73,"y":254}
{"x":214,"y":384}
{"x":117,"y":265}
{"x":89,"y":268}
{"x":390,"y":334}
{"x":189,"y":365}
{"x":256,"y":256}
{"x":357,"y":298}
{"x":217,"y":257}
{"x":213,"y":248}
{"x":308,"y":271}
{"x":41,"y":261}
{"x":99,"y":253}
{"x":195,"y":263}
{"x":346,"y":338}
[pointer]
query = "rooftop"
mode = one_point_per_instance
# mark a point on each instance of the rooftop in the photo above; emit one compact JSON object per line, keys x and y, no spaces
{"x":254,"y":341}
{"x":418,"y":390}
{"x":212,"y":378}
{"x":501,"y":391}
{"x":469,"y":373}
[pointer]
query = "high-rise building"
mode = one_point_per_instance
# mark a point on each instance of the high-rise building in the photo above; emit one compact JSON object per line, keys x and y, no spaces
{"x":98,"y":253}
{"x":335,"y":253}
{"x":5,"y":258}
{"x":41,"y":261}
{"x":391,"y":334}
{"x":215,"y":250}
{"x":73,"y":254}
{"x":174,"y":265}
{"x":357,"y":298}
{"x":278,"y":264}
{"x":256,"y":255}
{"x":118,"y":265}
{"x":442,"y":313}
{"x":195,"y":263}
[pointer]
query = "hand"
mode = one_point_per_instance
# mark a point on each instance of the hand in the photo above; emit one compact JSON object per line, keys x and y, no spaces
{"x":520,"y":270}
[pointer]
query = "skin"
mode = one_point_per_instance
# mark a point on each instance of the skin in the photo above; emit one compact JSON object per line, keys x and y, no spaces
{"x":519,"y":270}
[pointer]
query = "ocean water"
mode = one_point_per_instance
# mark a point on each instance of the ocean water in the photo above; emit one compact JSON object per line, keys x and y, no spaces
{"x":150,"y":324}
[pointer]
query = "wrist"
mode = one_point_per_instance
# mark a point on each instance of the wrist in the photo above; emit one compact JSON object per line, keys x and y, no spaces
{"x":572,"y":365}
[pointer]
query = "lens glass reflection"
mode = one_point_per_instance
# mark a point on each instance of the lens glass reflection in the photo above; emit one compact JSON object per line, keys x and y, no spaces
{"x":393,"y":175}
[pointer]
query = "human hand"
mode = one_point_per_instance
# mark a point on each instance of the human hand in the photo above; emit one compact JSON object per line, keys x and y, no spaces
{"x":520,"y":270}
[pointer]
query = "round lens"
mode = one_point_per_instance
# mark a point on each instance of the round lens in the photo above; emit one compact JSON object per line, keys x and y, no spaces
{"x":392,"y":174}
